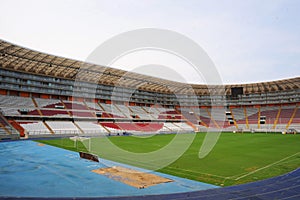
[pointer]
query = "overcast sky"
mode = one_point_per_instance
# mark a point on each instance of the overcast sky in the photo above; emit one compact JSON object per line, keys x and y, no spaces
{"x":249,"y":41}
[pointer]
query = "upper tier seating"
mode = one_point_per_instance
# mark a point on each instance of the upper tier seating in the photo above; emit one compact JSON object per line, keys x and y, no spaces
{"x":72,"y":105}
{"x":270,"y":113}
{"x":94,"y":106}
{"x":239,"y":117}
{"x":14,"y":101}
{"x":286,"y":114}
{"x":8,"y":111}
{"x":191,"y":115}
{"x":82,"y":114}
{"x":124,"y":110}
{"x":238,"y":114}
{"x":252,"y":117}
{"x":55,"y":112}
{"x":296,"y":119}
{"x":110,"y":108}
{"x":140,"y":112}
{"x":11,"y":104}
{"x":152,"y":111}
{"x":165,"y":110}
{"x":205,"y":117}
{"x":47,"y":103}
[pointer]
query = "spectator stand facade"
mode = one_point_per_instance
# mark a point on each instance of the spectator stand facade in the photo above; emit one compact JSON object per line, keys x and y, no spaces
{"x":42,"y":94}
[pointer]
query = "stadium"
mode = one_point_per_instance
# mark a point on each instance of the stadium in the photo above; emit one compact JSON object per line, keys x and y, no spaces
{"x":49,"y":101}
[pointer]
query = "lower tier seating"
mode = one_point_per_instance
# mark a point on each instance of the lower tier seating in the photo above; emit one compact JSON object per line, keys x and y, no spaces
{"x":63,"y":127}
{"x":34,"y":128}
{"x":137,"y":127}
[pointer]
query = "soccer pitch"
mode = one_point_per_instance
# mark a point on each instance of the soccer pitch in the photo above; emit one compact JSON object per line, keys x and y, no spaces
{"x":235,"y":159}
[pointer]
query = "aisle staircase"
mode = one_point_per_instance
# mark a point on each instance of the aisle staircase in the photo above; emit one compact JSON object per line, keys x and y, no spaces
{"x":7,"y":131}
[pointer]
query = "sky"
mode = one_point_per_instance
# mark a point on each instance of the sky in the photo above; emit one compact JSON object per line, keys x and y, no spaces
{"x":247,"y":40}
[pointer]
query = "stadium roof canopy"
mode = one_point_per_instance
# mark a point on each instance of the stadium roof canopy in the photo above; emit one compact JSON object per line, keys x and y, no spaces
{"x":16,"y":58}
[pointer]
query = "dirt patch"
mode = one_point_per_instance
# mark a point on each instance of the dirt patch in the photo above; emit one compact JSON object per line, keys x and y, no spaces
{"x":132,"y":177}
{"x":250,"y":169}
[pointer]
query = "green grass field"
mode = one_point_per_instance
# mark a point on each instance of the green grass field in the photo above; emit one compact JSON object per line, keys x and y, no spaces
{"x":235,"y":159}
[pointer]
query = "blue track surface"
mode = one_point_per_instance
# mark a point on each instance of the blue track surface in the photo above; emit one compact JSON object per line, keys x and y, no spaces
{"x":29,"y":170}
{"x":282,"y":187}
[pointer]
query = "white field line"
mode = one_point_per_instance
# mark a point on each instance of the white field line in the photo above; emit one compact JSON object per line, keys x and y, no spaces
{"x":266,"y":166}
{"x":196,"y":172}
{"x":183,"y":173}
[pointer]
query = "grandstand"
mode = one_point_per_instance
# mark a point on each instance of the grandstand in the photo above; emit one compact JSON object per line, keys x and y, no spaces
{"x":47,"y":95}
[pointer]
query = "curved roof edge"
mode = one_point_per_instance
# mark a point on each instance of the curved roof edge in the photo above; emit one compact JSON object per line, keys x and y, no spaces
{"x":17,"y":58}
